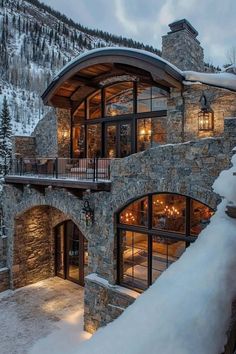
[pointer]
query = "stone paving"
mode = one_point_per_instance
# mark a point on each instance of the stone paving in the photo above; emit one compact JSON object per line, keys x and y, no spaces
{"x":33,"y":312}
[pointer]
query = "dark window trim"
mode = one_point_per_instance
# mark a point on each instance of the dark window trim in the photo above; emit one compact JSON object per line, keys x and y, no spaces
{"x":150,"y":232}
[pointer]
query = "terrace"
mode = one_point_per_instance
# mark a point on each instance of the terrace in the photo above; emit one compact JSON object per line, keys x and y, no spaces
{"x":76,"y":173}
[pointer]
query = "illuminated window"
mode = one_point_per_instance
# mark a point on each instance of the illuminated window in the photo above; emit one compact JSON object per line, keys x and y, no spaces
{"x":153,"y":232}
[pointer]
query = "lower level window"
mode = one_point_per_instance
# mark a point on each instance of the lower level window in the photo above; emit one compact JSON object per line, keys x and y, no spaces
{"x":146,"y":249}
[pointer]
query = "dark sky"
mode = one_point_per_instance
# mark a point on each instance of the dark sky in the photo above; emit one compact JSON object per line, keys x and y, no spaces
{"x":147,"y":20}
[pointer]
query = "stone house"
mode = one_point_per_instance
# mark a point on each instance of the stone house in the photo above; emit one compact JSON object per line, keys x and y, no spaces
{"x":109,"y":191}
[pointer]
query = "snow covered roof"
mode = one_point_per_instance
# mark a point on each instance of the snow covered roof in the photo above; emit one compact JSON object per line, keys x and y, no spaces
{"x":105,"y":61}
{"x":88,"y":68}
{"x":225,"y":80}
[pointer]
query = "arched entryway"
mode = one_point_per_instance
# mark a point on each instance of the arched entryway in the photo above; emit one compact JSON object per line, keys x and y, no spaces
{"x":71,"y":252}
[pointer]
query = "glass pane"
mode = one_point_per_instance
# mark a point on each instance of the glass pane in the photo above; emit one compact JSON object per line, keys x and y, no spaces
{"x":134,"y":259}
{"x":158,"y":128}
{"x":94,"y":105}
{"x":79,"y":141}
{"x":79,"y":113}
{"x":73,"y":250}
{"x":125,"y":139}
{"x":94,"y":140}
{"x":60,"y":265}
{"x":151,"y":98}
{"x":200,"y":217}
{"x":144,"y":98}
{"x":169,"y":212}
{"x":119,"y":99}
{"x":159,"y":99}
{"x":144,"y":133}
{"x":111,"y":141}
{"x":136,"y":213}
{"x":165,"y":251}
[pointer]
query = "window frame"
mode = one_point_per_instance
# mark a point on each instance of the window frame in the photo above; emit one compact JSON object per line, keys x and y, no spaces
{"x":150,"y":231}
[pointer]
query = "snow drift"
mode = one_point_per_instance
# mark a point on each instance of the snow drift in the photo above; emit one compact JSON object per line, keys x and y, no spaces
{"x":187,"y":310}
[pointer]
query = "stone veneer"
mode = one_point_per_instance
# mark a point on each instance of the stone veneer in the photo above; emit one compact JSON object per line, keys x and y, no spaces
{"x":188,"y":168}
{"x":63,"y":124}
{"x":45,"y":135}
{"x":23,"y":146}
{"x":4,"y":279}
{"x":183,"y":50}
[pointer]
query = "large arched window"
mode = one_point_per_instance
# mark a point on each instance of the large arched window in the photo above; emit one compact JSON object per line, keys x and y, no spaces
{"x":120,"y":119}
{"x":153,"y":232}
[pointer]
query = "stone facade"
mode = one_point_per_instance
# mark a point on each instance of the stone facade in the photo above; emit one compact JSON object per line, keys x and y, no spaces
{"x":4,"y":279}
{"x":104,"y":302}
{"x":45,"y":135}
{"x":63,"y":132}
{"x":183,"y":50}
{"x":23,"y":146}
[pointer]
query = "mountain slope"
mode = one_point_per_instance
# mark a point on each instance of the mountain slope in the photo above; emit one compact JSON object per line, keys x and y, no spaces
{"x":36,"y":42}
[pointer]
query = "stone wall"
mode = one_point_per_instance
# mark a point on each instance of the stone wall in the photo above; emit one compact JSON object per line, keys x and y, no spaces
{"x":104,"y":302}
{"x":175,"y":117}
{"x":45,"y":135}
{"x":183,"y":50}
{"x":4,"y":279}
{"x":63,"y":132}
{"x":222,"y":101}
{"x":23,"y":146}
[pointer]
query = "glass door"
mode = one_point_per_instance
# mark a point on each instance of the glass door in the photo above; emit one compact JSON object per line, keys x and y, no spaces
{"x":60,"y":252}
{"x":117,"y":139}
{"x":71,"y":253}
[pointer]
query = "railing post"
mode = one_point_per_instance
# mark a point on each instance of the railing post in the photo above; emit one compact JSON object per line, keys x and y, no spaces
{"x":94,"y":169}
{"x":56,"y":167}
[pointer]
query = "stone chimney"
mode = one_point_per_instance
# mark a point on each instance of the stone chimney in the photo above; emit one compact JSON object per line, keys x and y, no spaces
{"x":181,"y":47}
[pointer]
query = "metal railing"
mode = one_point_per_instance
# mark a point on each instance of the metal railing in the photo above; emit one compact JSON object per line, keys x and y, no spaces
{"x":94,"y":169}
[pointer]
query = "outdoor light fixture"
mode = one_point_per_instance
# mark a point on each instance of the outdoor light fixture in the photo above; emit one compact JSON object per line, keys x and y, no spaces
{"x":88,"y":213}
{"x":205,"y":115}
{"x":64,"y":133}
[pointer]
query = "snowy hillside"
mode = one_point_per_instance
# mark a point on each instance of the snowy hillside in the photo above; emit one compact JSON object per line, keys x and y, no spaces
{"x":36,"y":42}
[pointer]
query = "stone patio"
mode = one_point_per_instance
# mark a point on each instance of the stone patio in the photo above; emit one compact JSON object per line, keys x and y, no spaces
{"x":33,"y":312}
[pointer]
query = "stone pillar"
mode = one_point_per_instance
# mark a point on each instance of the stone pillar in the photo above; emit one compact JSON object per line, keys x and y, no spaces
{"x":63,"y":132}
{"x":175,"y":117}
{"x":181,"y":48}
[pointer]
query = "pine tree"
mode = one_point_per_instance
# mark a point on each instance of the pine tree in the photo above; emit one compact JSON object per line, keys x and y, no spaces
{"x":5,"y":137}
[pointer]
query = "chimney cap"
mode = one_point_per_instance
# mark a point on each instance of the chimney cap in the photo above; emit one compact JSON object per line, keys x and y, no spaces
{"x":181,"y":25}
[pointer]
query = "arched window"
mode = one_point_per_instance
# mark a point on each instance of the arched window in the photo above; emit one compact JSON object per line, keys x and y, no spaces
{"x":120,"y":119}
{"x":153,"y":232}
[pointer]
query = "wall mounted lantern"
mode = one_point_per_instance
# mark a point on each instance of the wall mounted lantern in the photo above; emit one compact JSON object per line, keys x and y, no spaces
{"x":64,"y":133}
{"x":205,"y":115}
{"x":88,"y":213}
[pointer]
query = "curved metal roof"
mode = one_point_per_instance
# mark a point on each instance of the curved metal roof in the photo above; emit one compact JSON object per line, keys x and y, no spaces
{"x":161,"y":71}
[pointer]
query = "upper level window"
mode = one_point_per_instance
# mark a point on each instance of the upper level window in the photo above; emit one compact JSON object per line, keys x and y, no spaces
{"x":150,"y":98}
{"x":119,"y":99}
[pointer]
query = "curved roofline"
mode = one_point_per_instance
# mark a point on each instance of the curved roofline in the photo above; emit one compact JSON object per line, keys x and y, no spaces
{"x":140,"y":58}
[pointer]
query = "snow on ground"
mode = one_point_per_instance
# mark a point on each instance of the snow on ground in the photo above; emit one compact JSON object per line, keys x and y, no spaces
{"x":35,"y":311}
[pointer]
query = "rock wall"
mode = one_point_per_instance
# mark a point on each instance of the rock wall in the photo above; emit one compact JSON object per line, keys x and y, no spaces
{"x":183,"y":50}
{"x":23,"y":146}
{"x":45,"y":135}
{"x":104,"y":302}
{"x":4,"y":279}
{"x":63,"y":132}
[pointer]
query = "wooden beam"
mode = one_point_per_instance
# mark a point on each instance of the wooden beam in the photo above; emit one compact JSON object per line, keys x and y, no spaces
{"x":61,"y":102}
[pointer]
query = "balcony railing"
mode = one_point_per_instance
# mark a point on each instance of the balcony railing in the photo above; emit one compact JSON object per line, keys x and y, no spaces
{"x":96,"y":169}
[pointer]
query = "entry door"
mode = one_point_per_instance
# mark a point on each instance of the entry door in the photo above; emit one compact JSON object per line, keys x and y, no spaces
{"x":71,"y":253}
{"x":118,"y":139}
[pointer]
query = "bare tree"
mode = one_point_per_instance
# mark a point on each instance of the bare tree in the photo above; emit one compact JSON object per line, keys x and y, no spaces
{"x":231,"y":56}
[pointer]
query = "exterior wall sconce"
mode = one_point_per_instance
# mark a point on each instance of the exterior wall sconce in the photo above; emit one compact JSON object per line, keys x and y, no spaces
{"x":64,"y":133}
{"x":205,"y":115}
{"x":88,"y":213}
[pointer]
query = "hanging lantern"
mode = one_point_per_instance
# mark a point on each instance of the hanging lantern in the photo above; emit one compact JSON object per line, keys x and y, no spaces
{"x":88,"y":213}
{"x":205,"y":116}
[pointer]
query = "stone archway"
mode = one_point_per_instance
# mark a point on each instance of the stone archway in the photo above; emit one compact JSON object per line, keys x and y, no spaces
{"x":34,"y":245}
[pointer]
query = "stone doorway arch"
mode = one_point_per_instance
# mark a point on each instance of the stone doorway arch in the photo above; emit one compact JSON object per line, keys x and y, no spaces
{"x":33,"y":253}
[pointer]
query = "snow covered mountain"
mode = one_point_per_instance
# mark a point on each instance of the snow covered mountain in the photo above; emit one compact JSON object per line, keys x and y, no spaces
{"x":35,"y":43}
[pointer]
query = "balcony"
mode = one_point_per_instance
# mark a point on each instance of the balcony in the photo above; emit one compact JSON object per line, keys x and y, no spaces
{"x":83,"y":173}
